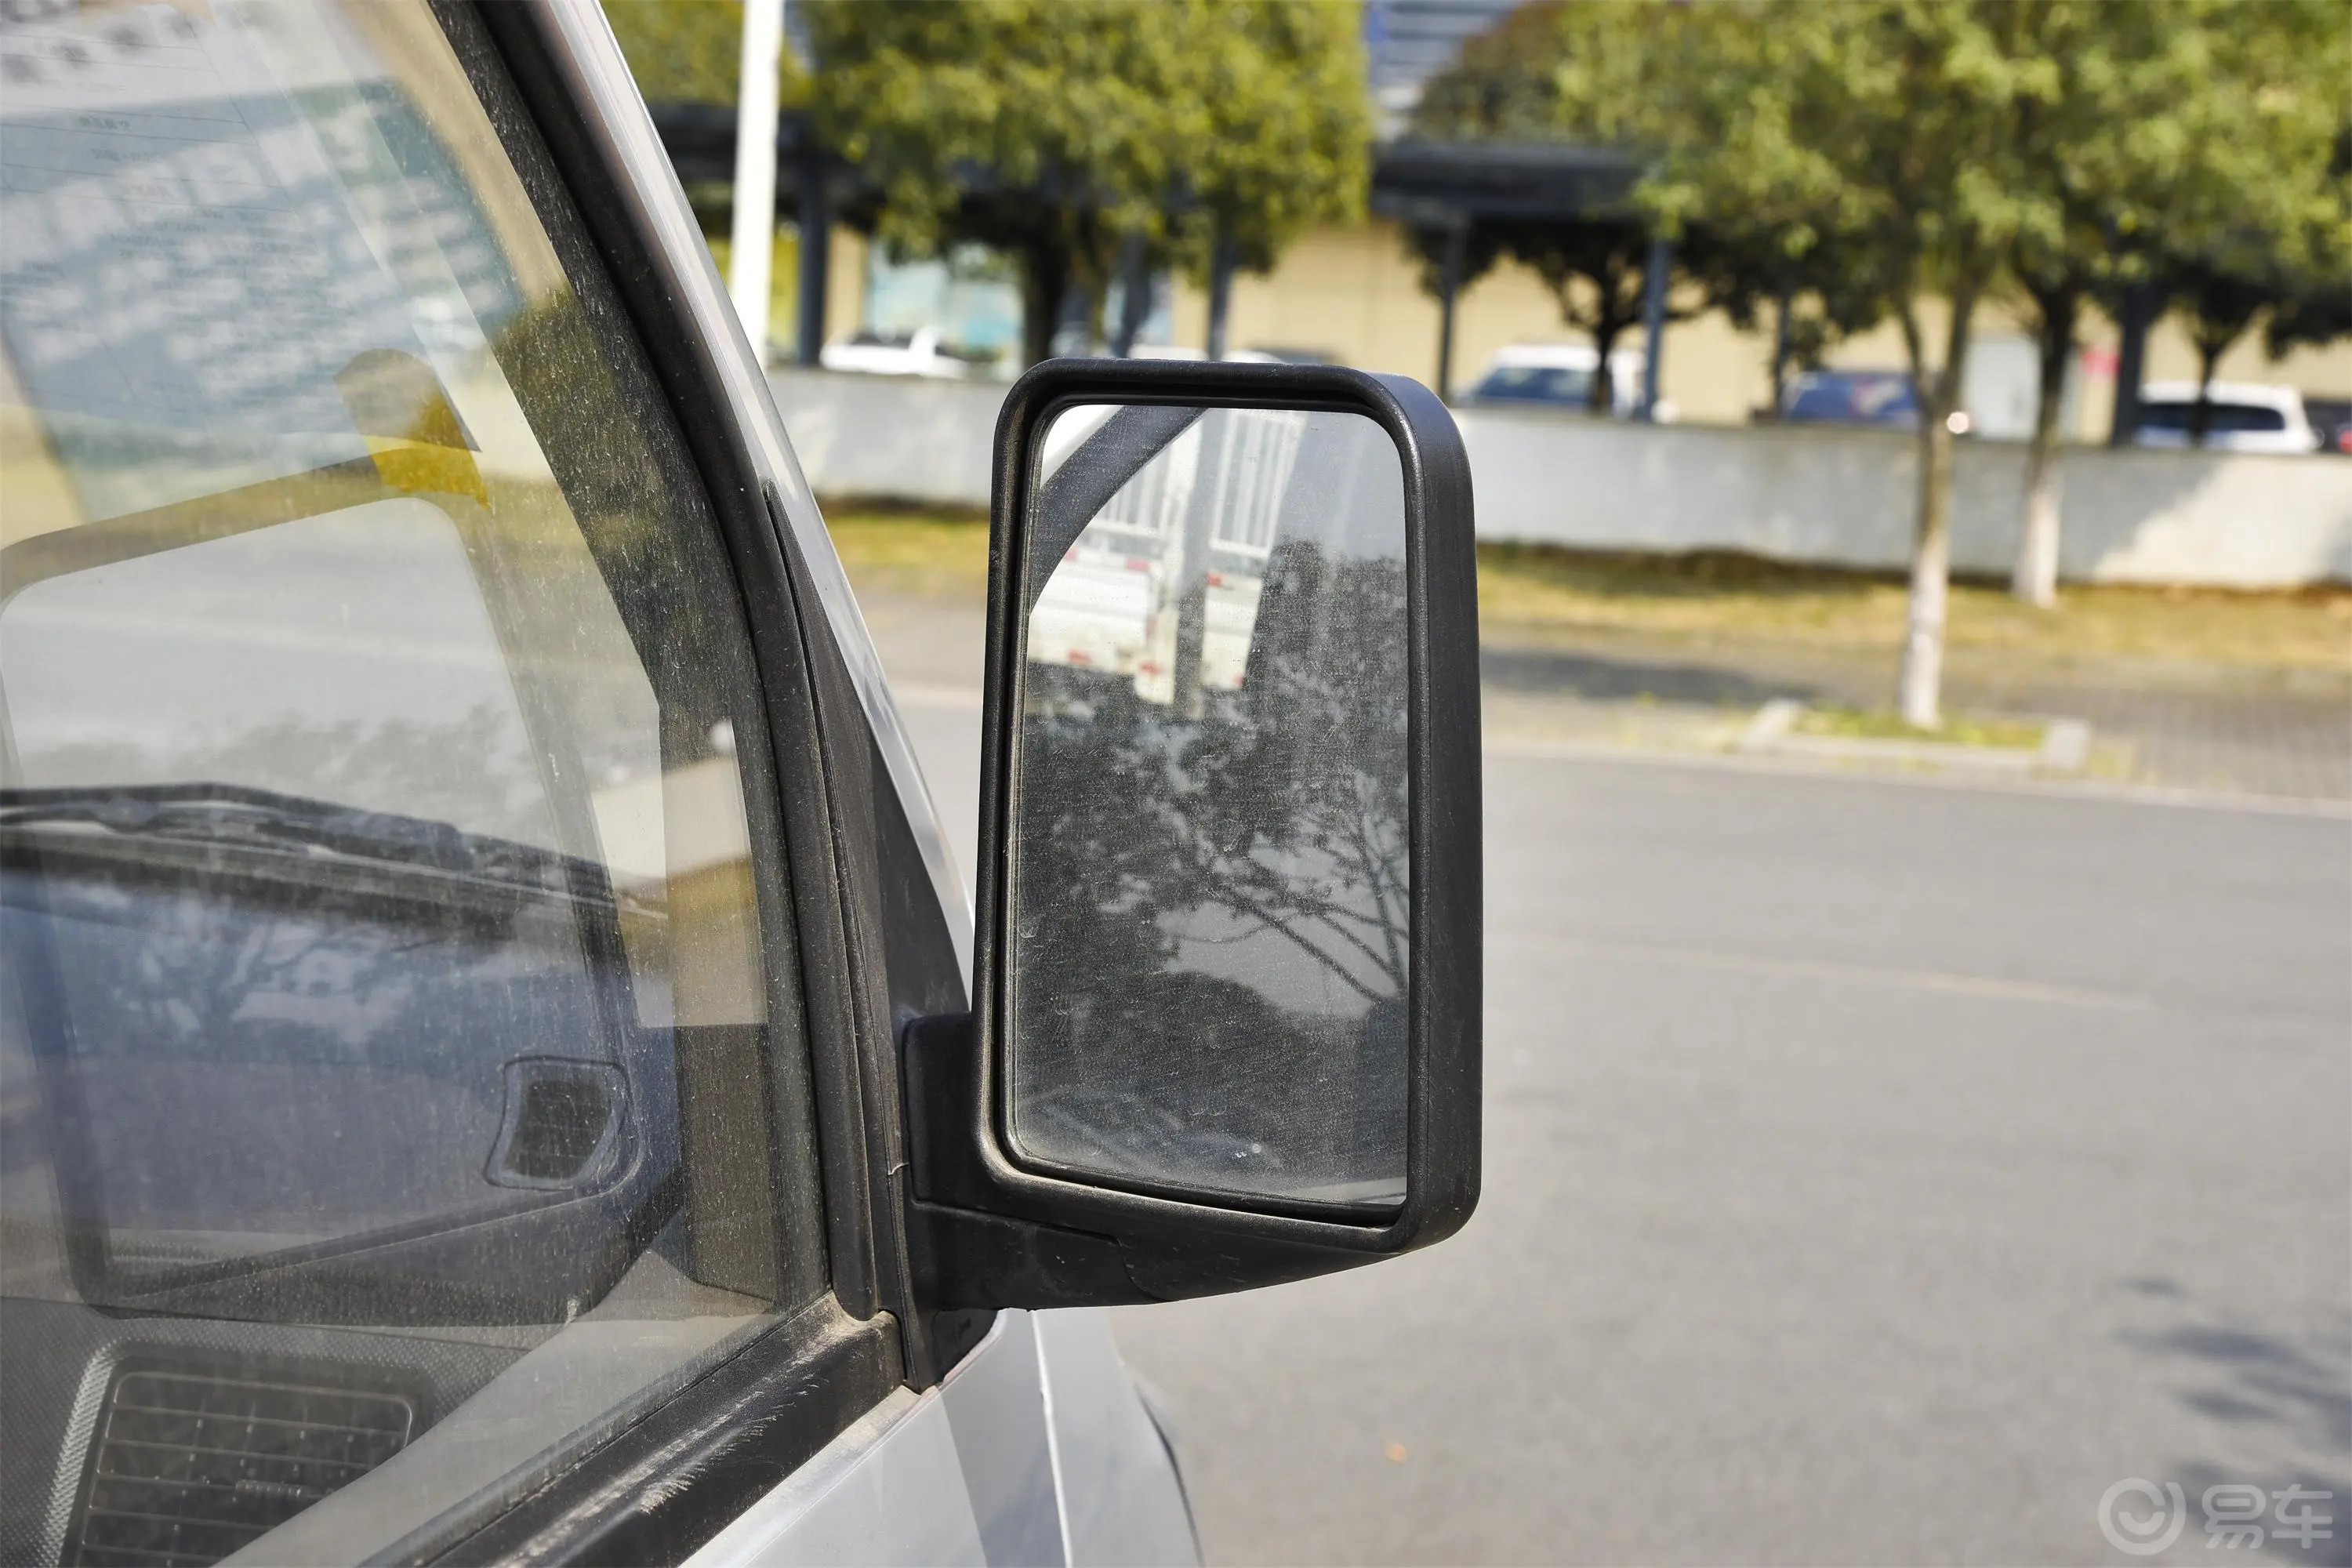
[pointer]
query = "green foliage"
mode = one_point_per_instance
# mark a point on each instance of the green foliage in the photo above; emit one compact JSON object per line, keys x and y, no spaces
{"x":689,"y":51}
{"x":1614,"y":73}
{"x":2186,"y":140}
{"x":1526,"y":80}
{"x":2247,"y":172}
{"x":1275,"y":130}
{"x":2314,"y":304}
{"x":681,"y":51}
{"x":1052,"y":128}
{"x":1502,"y":87}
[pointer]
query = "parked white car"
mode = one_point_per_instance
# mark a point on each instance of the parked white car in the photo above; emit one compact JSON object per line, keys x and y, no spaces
{"x":2246,"y":417}
{"x":1186,"y":352}
{"x":919,"y":353}
{"x":1560,"y":376}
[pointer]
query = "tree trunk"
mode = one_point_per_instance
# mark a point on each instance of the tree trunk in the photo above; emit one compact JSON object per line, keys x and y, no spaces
{"x":1920,"y":694}
{"x":2139,"y":310}
{"x":1134,"y":295}
{"x":1044,"y":278}
{"x":1919,"y":689}
{"x":1782,"y":307}
{"x":2036,"y":577}
{"x":1222,"y":258}
{"x":1602,"y":399}
{"x":2201,"y":418}
{"x":1612,"y":315}
{"x":1607,"y":326}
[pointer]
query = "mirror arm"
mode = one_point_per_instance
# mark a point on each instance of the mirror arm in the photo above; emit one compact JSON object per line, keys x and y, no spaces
{"x":967,"y":1251}
{"x":976,"y":1244}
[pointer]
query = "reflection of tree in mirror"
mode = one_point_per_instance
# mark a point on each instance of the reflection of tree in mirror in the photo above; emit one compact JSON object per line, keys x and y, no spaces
{"x":1212,"y":914}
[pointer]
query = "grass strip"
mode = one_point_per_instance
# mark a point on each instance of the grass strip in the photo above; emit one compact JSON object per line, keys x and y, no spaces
{"x":1533,"y":589}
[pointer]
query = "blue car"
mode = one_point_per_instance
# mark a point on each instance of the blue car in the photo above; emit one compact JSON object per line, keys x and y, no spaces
{"x":1882,"y":397}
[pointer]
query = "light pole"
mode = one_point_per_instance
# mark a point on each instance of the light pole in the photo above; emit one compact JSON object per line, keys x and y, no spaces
{"x":755,"y":234}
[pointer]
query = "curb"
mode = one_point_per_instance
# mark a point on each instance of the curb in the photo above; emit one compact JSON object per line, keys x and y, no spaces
{"x":2065,"y":746}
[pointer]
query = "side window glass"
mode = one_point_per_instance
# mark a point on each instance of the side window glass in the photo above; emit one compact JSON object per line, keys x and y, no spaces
{"x":390,"y":1086}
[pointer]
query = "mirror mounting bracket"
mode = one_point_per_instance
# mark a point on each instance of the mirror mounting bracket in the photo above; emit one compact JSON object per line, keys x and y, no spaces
{"x":978,"y":1245}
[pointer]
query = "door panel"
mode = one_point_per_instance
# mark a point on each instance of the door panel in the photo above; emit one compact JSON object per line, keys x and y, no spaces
{"x":1035,"y":1450}
{"x":1123,"y":1496}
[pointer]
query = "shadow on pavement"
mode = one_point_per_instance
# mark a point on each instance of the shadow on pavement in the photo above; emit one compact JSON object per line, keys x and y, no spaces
{"x":1598,"y":677}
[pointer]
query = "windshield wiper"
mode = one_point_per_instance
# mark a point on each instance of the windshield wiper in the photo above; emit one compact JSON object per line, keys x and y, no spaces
{"x":234,"y":814}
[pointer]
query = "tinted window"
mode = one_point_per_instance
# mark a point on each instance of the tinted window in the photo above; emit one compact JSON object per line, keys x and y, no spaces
{"x":386,"y":1019}
{"x":1868,"y":399}
{"x":2220,"y":418}
{"x":1537,"y":383}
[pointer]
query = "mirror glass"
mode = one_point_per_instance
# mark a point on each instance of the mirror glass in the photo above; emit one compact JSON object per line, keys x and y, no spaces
{"x":1208,"y":909}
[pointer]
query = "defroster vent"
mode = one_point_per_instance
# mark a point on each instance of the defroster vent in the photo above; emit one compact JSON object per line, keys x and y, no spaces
{"x":188,"y":1466}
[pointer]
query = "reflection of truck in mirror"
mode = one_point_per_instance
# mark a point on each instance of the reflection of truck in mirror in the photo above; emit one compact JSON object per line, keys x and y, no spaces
{"x":1185,"y":540}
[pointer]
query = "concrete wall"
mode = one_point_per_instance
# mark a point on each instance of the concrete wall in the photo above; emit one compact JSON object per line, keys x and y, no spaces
{"x":1837,"y":497}
{"x":904,"y":437}
{"x":1848,"y":498}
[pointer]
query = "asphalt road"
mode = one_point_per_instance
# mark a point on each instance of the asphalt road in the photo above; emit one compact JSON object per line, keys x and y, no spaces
{"x":1875,"y":1173}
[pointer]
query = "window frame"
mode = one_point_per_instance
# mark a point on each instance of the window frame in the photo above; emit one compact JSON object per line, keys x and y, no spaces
{"x":856,"y":873}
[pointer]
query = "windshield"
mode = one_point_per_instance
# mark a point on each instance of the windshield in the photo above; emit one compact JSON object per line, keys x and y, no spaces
{"x":382,"y":990}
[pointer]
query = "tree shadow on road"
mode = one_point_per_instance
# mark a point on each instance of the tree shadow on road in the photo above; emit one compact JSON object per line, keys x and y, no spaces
{"x":1597,"y":677}
{"x":2280,"y":1388}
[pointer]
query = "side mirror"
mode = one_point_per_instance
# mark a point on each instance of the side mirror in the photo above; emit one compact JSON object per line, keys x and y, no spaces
{"x":1228,"y":973}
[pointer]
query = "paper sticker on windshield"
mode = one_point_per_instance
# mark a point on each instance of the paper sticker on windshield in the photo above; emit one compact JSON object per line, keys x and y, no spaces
{"x":211,"y":214}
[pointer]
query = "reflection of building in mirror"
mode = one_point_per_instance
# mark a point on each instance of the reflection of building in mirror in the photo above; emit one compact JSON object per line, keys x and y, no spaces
{"x":1163,"y":584}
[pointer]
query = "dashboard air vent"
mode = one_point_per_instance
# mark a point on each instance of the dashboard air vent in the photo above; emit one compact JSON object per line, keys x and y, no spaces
{"x":186,"y":1467}
{"x":561,"y":1127}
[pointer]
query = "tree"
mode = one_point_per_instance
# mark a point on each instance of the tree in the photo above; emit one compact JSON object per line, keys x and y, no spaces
{"x":2183,"y":138}
{"x":1884,"y":126}
{"x":2317,"y":307}
{"x":1507,"y":86}
{"x":1620,"y":74}
{"x":1502,"y":87}
{"x":1272,"y":822}
{"x":2283,"y":248}
{"x":1272,"y":129}
{"x":1815,"y":291}
{"x":1596,"y":269}
{"x":1052,"y":131}
{"x":2080,"y":114}
{"x":681,"y":51}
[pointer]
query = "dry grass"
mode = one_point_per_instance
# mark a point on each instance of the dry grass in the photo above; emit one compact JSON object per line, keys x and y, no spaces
{"x":1524,"y":588}
{"x":1528,"y":589}
{"x":937,"y":552}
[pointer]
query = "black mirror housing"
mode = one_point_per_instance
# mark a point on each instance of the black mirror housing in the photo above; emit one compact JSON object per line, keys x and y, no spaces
{"x":1002,"y":1214}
